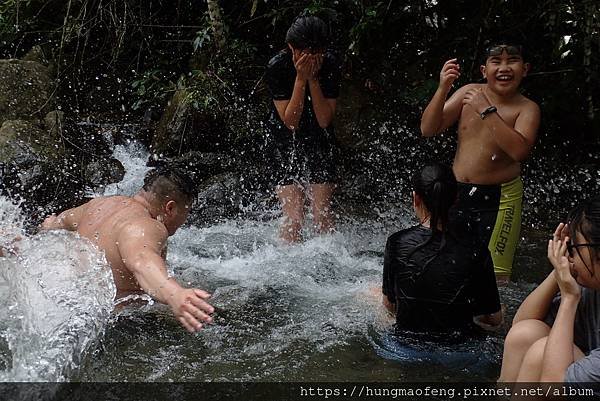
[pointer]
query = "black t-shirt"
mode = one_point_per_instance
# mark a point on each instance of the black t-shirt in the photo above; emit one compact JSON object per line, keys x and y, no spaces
{"x":280,"y":77}
{"x":437,"y":290}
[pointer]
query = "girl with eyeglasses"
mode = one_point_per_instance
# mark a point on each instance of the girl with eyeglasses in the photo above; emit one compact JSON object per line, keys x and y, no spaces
{"x":555,"y":336}
{"x":431,"y":281}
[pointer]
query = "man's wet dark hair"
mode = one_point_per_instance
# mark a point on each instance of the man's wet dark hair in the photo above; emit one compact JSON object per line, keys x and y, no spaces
{"x":170,"y":183}
{"x":308,"y":32}
{"x":585,"y":218}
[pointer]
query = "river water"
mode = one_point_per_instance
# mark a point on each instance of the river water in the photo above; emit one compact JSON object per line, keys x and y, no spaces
{"x":305,"y":312}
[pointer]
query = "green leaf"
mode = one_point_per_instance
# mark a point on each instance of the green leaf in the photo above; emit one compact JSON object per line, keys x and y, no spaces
{"x":254,"y":5}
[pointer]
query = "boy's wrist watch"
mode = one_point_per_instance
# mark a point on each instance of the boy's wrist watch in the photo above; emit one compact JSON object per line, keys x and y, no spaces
{"x":489,"y":110}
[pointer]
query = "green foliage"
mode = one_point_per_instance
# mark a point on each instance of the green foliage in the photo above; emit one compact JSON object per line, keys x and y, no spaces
{"x":153,"y":88}
{"x":12,"y":17}
{"x":397,"y":46}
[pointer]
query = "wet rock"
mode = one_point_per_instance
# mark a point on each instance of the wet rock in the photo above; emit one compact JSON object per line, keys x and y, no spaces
{"x":53,"y":122}
{"x":103,"y":172}
{"x":23,"y":142}
{"x":25,"y":90}
{"x":354,"y":108}
{"x":202,"y":165}
{"x":183,"y":128}
{"x":37,"y":55}
{"x":219,"y":198}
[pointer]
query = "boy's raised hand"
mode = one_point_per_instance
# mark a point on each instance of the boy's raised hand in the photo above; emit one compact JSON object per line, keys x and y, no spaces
{"x":563,"y":271}
{"x":450,"y":73}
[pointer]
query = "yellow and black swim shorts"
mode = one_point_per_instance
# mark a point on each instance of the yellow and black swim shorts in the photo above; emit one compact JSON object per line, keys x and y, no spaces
{"x":490,"y":215}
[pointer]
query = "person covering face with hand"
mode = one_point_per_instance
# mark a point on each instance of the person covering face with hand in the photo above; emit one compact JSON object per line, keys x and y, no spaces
{"x":555,"y":336}
{"x":303,"y":81}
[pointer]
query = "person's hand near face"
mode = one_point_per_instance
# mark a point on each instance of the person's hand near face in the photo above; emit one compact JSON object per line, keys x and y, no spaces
{"x":477,"y":99}
{"x":303,"y":64}
{"x":563,"y":268}
{"x":317,"y":63}
{"x":450,"y":73}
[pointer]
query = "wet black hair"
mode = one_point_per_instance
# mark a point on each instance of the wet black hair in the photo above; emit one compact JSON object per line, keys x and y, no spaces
{"x":170,"y":182}
{"x":308,"y":32}
{"x":436,"y":186}
{"x":585,"y":218}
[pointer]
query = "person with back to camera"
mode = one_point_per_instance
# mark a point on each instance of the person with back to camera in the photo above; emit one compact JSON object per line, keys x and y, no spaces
{"x":555,"y":335}
{"x":431,"y":281}
{"x":303,"y":81}
{"x":497,"y":128}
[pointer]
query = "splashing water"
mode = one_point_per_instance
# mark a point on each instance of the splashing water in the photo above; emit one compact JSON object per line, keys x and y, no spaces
{"x":300,"y":312}
{"x":56,"y":294}
{"x":133,"y":156}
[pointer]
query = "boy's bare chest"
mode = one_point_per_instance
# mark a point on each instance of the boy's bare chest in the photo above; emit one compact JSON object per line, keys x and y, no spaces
{"x":472,"y":127}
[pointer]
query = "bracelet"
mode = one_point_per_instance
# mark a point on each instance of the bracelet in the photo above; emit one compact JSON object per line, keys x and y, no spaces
{"x":489,"y":110}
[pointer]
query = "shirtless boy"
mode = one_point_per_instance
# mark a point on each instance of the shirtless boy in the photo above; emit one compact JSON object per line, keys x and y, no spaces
{"x":133,"y":232}
{"x":497,"y":128}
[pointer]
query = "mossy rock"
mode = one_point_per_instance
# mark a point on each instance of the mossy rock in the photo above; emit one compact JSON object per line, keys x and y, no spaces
{"x":22,"y":140}
{"x":184,"y":127}
{"x":25,"y":90}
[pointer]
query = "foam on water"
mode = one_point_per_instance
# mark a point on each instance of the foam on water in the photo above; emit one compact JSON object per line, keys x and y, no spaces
{"x":56,"y":294}
{"x":284,"y":312}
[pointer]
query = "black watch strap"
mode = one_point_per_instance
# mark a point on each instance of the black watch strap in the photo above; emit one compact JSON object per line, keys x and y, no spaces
{"x":489,"y":110}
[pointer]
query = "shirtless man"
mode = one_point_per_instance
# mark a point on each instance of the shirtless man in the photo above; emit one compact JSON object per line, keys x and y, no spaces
{"x":133,"y":232}
{"x":497,"y":128}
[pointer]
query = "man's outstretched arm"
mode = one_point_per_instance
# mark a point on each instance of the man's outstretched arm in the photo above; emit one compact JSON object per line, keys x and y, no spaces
{"x":140,"y":246}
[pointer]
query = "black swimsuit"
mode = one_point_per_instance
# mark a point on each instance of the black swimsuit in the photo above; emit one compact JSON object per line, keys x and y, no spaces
{"x":306,"y":155}
{"x":437,"y":290}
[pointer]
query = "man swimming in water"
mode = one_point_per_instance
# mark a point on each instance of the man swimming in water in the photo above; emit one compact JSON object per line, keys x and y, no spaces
{"x":133,"y":232}
{"x":497,"y":128}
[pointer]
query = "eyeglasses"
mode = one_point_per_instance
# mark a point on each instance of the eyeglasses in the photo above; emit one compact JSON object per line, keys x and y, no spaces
{"x":511,"y":50}
{"x":571,"y":246}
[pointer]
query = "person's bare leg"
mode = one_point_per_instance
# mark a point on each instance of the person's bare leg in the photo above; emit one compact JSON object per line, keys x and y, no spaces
{"x":321,"y":195}
{"x":291,"y":198}
{"x":531,"y":368}
{"x":518,"y":341}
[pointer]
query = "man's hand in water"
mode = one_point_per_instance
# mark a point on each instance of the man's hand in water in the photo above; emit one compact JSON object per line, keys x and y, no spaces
{"x":477,"y":99}
{"x":563,"y":269}
{"x":450,"y":73}
{"x":191,"y":309}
